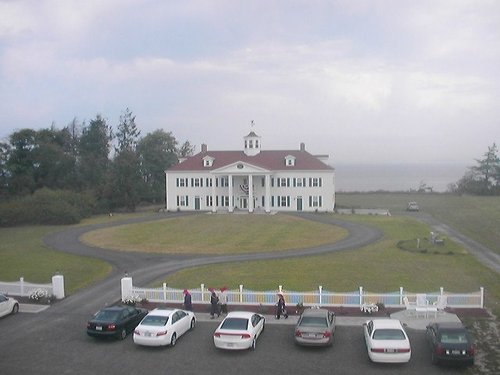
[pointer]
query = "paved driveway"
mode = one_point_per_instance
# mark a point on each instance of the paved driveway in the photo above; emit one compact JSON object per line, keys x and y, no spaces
{"x":60,"y":346}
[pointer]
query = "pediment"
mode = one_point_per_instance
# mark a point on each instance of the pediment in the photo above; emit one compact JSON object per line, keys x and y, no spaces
{"x":240,"y":167}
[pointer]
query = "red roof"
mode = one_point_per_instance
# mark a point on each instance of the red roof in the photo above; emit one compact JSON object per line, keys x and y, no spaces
{"x":270,"y":160}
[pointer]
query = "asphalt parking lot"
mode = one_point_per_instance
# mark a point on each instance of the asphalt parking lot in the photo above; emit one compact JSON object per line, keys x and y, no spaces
{"x":61,"y":346}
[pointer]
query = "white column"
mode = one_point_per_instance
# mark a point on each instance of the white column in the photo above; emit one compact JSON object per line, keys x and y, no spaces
{"x":231,"y":200}
{"x":58,"y":286}
{"x":267,"y":201}
{"x":214,"y":208}
{"x":250,"y":193}
{"x":126,"y":287}
{"x":167,"y":206}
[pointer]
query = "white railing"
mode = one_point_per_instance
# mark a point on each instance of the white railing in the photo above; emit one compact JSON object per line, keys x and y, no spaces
{"x":319,"y":297}
{"x":25,"y":289}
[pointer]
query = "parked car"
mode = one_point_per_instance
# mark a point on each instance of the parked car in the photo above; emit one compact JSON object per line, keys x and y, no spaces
{"x":450,"y":342}
{"x":315,"y":327}
{"x":386,"y":341}
{"x":163,"y":327}
{"x":239,"y":330}
{"x":8,"y":305}
{"x":115,"y":321}
{"x":412,"y":206}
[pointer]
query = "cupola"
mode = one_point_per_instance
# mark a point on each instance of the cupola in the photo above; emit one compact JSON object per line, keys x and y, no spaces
{"x":252,"y":144}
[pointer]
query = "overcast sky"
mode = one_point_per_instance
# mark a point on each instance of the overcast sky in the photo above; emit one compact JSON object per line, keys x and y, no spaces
{"x":363,"y":81}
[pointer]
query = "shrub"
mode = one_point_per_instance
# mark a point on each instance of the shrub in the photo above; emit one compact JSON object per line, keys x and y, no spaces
{"x":45,"y":206}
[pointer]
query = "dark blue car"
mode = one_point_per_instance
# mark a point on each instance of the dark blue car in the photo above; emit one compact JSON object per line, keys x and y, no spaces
{"x":115,"y":321}
{"x":450,"y":342}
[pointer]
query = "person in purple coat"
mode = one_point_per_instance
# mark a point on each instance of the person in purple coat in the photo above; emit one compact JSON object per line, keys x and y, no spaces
{"x":281,"y":307}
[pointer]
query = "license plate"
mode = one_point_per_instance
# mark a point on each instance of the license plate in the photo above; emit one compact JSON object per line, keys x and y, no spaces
{"x":390,"y":350}
{"x":229,"y":345}
{"x":98,"y":328}
{"x":147,"y":334}
{"x":456,"y":352}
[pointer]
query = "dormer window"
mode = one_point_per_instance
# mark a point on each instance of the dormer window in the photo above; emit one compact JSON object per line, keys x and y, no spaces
{"x":208,"y":161}
{"x":290,"y":161}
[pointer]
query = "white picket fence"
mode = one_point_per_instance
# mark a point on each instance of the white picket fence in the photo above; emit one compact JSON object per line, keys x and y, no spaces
{"x":25,"y":289}
{"x":319,"y":297}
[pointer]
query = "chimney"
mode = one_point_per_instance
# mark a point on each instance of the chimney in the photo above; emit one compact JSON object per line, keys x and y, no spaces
{"x":302,"y":146}
{"x":204,"y":147}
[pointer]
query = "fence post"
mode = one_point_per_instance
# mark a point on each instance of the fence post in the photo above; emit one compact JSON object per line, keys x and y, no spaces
{"x":320,"y":295}
{"x":58,"y":286}
{"x":127,"y":287}
{"x":165,"y":292}
{"x":241,"y":293}
{"x":401,"y":294}
{"x":21,"y":285}
{"x":360,"y":295}
{"x":202,"y":287}
{"x":482,"y":296}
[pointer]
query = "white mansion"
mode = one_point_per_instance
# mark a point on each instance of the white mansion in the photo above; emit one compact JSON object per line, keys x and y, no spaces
{"x":250,"y":180}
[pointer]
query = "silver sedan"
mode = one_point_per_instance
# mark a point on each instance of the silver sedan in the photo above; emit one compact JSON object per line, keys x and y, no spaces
{"x":315,"y":327}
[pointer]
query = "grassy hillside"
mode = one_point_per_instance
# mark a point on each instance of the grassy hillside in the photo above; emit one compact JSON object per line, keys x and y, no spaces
{"x":475,"y":217}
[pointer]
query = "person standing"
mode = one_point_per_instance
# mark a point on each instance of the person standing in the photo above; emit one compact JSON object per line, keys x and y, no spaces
{"x":223,"y":300}
{"x":187,"y":300}
{"x":214,"y":304}
{"x":281,"y":307}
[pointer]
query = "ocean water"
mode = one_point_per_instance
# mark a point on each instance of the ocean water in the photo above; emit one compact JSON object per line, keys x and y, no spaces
{"x":396,"y":177}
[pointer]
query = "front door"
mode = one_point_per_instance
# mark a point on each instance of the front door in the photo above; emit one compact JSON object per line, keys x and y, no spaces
{"x":243,"y":203}
{"x":299,"y":203}
{"x":196,"y":203}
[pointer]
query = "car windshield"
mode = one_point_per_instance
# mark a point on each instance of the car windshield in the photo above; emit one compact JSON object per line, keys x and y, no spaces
{"x":154,"y":320}
{"x":453,"y":337}
{"x":235,"y":323}
{"x":388,"y":334}
{"x":107,"y":315}
{"x":313,"y":321}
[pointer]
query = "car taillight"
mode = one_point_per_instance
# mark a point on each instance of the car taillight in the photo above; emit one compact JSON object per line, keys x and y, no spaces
{"x":405,"y":350}
{"x":471,"y":350}
{"x":327,"y":334}
{"x":161,"y":333}
{"x":298,"y":333}
{"x":216,"y":334}
{"x":377,"y":350}
{"x":89,"y":325}
{"x":111,"y":327}
{"x":137,"y":332}
{"x":439,"y":349}
{"x":245,"y":336}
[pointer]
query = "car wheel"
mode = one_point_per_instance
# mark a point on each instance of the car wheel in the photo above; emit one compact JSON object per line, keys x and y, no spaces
{"x":254,"y":344}
{"x":193,"y":323}
{"x":15,"y":309}
{"x":173,"y":340}
{"x":123,"y":334}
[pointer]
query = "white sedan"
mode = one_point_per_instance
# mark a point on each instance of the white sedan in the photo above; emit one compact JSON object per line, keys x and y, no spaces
{"x":386,"y":341}
{"x":163,"y":327}
{"x":239,"y":330}
{"x":8,"y":305}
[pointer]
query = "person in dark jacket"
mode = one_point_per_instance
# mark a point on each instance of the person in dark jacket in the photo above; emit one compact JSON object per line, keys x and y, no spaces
{"x":281,"y":307}
{"x":187,"y":300}
{"x":214,"y":304}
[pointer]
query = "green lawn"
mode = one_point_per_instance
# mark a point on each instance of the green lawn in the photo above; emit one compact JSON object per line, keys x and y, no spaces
{"x":23,"y":254}
{"x":217,"y":234}
{"x":379,"y":267}
{"x":475,"y":217}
